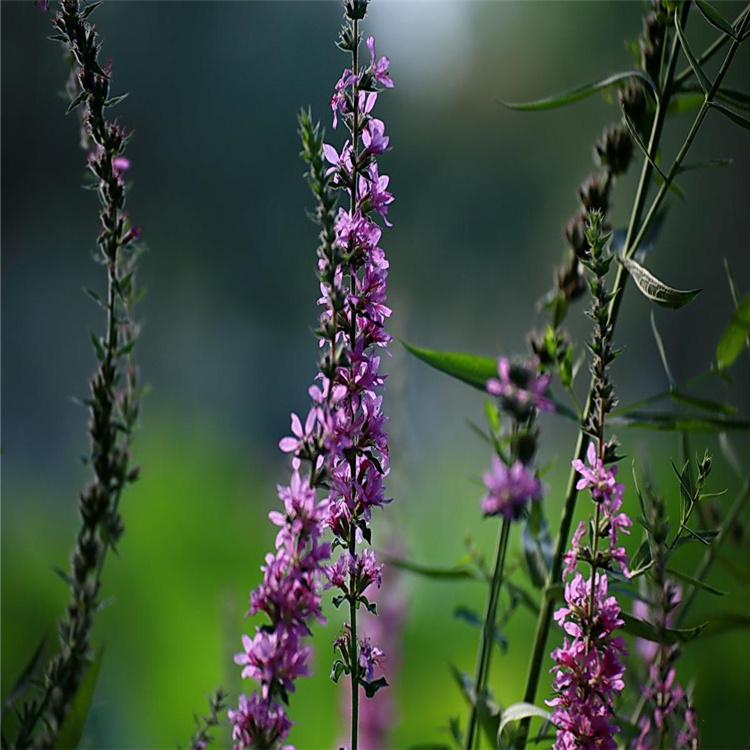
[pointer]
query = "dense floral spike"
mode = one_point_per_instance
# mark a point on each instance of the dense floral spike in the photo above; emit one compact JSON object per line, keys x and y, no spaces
{"x":588,"y":667}
{"x":342,"y":439}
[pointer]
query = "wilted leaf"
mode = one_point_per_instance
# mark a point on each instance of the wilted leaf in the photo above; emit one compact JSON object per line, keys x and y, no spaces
{"x":654,"y":289}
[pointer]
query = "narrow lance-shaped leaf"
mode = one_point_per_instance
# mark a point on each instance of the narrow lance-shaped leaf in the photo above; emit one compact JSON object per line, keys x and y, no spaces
{"x":25,"y":678}
{"x":668,"y":422}
{"x":707,"y":164}
{"x":730,"y":114}
{"x":735,"y":336}
{"x":695,"y":582}
{"x":469,"y":368}
{"x":694,"y":64}
{"x":650,"y":632}
{"x":72,"y":727}
{"x":445,"y":573}
{"x":715,"y":18}
{"x":582,"y":92}
{"x":654,"y":289}
{"x":662,"y":351}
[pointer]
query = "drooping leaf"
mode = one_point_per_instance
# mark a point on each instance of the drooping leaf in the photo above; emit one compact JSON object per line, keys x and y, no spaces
{"x":582,"y":92}
{"x":518,"y":712}
{"x":654,"y":289}
{"x":444,"y":573}
{"x":668,"y":422}
{"x":695,"y":582}
{"x":694,"y":64}
{"x":646,"y":630}
{"x":21,"y":685}
{"x":734,"y":338}
{"x":730,"y":114}
{"x":468,"y":368}
{"x":72,"y":726}
{"x":715,"y":18}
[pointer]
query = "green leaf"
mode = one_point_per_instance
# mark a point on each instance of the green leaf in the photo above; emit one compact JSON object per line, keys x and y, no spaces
{"x":702,"y":403}
{"x":650,"y":632}
{"x":468,"y":368}
{"x":694,"y":64}
{"x":89,"y":9}
{"x":662,"y":352}
{"x":706,"y":164}
{"x":732,"y":96}
{"x":582,"y":92}
{"x":77,"y":101}
{"x":641,"y":145}
{"x":22,"y":684}
{"x":116,"y":99}
{"x":518,"y":712}
{"x":98,"y":346}
{"x":641,"y":560}
{"x":654,"y":289}
{"x":701,"y":536}
{"x":444,"y":573}
{"x":338,"y":669}
{"x":72,"y":727}
{"x":734,"y":338}
{"x":668,"y":422}
{"x":715,"y":18}
{"x":736,"y":118}
{"x":695,"y":582}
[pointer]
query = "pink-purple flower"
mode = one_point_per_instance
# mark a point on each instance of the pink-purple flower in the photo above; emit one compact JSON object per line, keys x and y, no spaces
{"x":509,"y":489}
{"x":520,"y":386}
{"x":379,"y":68}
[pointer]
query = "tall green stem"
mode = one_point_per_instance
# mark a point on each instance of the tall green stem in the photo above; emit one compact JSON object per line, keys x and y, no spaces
{"x":488,"y":633}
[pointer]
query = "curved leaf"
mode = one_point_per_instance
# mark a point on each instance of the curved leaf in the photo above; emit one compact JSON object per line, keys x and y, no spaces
{"x":650,"y":632}
{"x":72,"y":726}
{"x":694,"y":64}
{"x":654,"y":289}
{"x":715,"y":18}
{"x":582,"y":92}
{"x":734,"y":338}
{"x":25,"y":678}
{"x":518,"y":712}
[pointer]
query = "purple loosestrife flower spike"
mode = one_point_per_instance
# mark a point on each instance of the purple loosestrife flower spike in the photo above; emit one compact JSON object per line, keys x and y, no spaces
{"x":342,"y":441}
{"x":509,"y":489}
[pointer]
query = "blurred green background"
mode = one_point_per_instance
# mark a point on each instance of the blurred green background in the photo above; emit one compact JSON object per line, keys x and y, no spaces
{"x":481,"y":195}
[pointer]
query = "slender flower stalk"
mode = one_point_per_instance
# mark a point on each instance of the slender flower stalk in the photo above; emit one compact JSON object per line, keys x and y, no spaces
{"x":589,"y":670}
{"x":114,"y":403}
{"x":511,"y":486}
{"x":342,"y":440}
